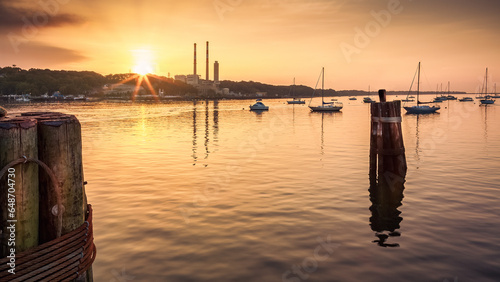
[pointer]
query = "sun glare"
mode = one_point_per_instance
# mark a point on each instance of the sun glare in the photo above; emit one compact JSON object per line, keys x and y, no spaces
{"x":143,"y":69}
{"x":143,"y":61}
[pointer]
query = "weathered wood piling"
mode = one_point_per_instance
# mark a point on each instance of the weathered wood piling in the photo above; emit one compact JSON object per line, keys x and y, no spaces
{"x":54,"y":238}
{"x":387,"y":152}
{"x":387,"y":168}
{"x":60,"y":148}
{"x":19,"y":184}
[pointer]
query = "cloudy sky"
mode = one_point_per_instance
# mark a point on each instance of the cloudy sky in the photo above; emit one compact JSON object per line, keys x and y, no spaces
{"x":359,"y":42}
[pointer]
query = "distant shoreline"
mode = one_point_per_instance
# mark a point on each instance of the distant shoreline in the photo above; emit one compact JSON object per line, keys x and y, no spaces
{"x":150,"y":98}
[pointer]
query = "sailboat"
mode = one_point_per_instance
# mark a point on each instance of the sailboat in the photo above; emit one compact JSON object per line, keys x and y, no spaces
{"x":420,"y":109}
{"x":487,"y":99}
{"x":325,"y":106}
{"x":295,"y":100}
{"x":450,"y":97}
{"x":495,"y":95}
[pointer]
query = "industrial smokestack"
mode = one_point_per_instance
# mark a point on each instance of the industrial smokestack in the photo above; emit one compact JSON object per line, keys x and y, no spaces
{"x":207,"y":62}
{"x":216,"y":72}
{"x":194,"y":59}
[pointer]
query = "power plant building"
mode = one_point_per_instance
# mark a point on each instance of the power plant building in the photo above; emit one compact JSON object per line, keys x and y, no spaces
{"x":195,"y":79}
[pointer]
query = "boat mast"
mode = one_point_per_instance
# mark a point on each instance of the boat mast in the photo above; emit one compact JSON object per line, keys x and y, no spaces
{"x":448,"y":88}
{"x":418,"y":84}
{"x":486,"y":90}
{"x":322,"y":85}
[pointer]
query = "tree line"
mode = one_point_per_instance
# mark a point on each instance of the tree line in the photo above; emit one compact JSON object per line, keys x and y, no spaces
{"x":251,"y":87}
{"x":37,"y":82}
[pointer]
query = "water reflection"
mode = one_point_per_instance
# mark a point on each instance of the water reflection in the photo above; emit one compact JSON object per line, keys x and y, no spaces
{"x":216,"y":122}
{"x":214,"y":129}
{"x":207,"y":134}
{"x":417,"y":143}
{"x":195,"y":145}
{"x":485,"y":116}
{"x":385,"y":219}
{"x":322,"y":136}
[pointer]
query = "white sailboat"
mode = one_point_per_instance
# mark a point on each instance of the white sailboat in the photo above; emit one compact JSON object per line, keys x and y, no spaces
{"x":420,"y":109}
{"x":487,"y":99}
{"x":295,"y":100}
{"x":333,"y":106}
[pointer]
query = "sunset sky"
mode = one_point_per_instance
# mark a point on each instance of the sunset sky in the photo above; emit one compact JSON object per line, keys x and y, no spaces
{"x":359,"y":42}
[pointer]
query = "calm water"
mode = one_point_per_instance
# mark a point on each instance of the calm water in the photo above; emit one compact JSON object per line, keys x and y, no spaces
{"x":212,"y":192}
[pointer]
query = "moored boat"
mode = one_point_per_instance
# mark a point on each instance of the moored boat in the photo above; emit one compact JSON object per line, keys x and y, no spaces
{"x":292,"y":93}
{"x":332,"y":106}
{"x":487,"y":100}
{"x":296,"y":101}
{"x":420,"y":109}
{"x":259,"y":106}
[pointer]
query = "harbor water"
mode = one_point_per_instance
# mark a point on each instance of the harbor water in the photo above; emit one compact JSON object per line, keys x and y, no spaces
{"x":210,"y":191}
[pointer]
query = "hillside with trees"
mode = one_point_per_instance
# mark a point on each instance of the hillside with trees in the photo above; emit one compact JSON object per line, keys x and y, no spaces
{"x":251,"y":87}
{"x":37,"y":82}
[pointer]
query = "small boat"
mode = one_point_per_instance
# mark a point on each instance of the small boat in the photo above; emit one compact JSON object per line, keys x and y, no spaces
{"x":80,"y":98}
{"x":407,"y":100}
{"x":328,"y":107}
{"x":420,"y":109}
{"x":487,"y":98}
{"x":353,"y":98}
{"x":259,"y":106}
{"x":449,"y":96}
{"x":333,"y":106}
{"x":412,"y":97}
{"x":295,"y":100}
{"x":438,"y":100}
{"x":487,"y":101}
{"x":368,"y":100}
{"x":466,"y":99}
{"x":23,"y":98}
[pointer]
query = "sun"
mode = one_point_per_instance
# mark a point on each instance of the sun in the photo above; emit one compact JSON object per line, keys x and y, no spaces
{"x":142,"y":69}
{"x":142,"y":72}
{"x":143,"y":61}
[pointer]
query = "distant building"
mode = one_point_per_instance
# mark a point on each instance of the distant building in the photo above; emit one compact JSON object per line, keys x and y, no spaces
{"x":182,"y":78}
{"x":193,"y":79}
{"x":122,"y":88}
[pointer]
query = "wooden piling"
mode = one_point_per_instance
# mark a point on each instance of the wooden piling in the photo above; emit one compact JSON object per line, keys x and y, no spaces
{"x":17,"y":139}
{"x":382,"y":95}
{"x":60,"y":148}
{"x":387,"y":168}
{"x":387,"y":153}
{"x":51,"y":202}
